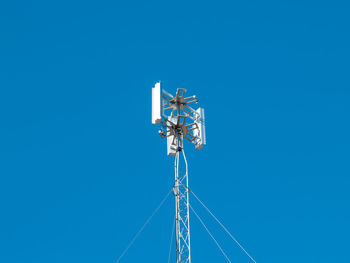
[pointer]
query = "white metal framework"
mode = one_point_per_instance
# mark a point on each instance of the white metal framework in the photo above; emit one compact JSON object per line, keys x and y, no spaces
{"x":179,"y":121}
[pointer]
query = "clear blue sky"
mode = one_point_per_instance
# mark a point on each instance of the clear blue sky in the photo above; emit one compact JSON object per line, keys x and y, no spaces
{"x":81,"y":166}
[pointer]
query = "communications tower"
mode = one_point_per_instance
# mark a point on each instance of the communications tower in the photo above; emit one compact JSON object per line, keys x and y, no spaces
{"x":179,"y":121}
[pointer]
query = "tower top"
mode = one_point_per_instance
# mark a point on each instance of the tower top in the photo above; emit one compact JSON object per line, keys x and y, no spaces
{"x":177,"y":117}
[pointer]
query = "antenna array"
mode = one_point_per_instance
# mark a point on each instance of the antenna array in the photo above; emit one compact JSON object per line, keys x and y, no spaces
{"x":179,"y":121}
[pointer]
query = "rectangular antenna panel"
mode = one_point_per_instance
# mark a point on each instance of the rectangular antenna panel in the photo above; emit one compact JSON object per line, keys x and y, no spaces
{"x":200,"y":132}
{"x":156,"y":104}
{"x":170,"y":146}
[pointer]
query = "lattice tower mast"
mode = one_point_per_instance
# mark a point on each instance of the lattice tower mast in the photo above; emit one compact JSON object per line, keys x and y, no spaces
{"x":179,"y":121}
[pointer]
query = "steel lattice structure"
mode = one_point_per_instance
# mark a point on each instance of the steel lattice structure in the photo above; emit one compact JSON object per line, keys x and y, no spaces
{"x":182,"y":216}
{"x":179,"y":121}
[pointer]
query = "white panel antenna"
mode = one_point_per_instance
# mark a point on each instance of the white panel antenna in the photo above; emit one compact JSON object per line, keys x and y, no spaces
{"x":171,"y":140}
{"x":156,"y":104}
{"x":200,"y":132}
{"x":171,"y":147}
